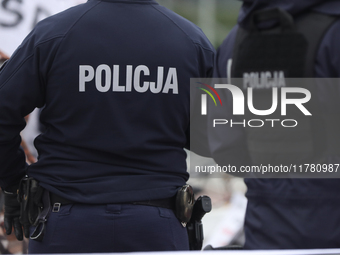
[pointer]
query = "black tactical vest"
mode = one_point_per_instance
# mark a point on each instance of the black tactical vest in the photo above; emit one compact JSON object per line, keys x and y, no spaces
{"x":265,"y":58}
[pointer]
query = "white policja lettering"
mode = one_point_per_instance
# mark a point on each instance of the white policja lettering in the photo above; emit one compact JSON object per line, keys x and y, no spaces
{"x":105,"y":78}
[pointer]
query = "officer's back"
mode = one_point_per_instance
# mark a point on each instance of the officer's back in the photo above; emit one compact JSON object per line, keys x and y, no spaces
{"x":113,"y":78}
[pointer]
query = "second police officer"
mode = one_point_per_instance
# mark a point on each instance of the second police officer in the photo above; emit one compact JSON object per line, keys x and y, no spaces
{"x":287,"y":213}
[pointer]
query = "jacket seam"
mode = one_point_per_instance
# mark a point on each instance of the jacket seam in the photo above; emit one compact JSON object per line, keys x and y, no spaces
{"x":71,"y":27}
{"x":75,"y":22}
{"x":27,"y":58}
{"x":62,"y":36}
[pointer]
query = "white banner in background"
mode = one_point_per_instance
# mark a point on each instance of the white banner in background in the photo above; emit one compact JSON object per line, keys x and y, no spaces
{"x":18,"y":17}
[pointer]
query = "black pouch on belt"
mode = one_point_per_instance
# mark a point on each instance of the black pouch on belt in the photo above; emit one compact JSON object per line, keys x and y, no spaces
{"x":30,"y":199}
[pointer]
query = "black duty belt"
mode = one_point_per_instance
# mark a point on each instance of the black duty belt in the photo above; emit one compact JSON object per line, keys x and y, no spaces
{"x":168,"y":203}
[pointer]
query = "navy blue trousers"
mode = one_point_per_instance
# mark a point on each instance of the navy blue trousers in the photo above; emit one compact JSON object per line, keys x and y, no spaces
{"x":111,"y":228}
{"x":292,"y":224}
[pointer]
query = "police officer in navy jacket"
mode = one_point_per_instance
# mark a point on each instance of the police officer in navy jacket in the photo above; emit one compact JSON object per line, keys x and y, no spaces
{"x":112,"y":78}
{"x":289,"y":213}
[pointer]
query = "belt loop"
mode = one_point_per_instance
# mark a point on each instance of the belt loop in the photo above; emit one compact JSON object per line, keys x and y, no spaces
{"x":56,"y":207}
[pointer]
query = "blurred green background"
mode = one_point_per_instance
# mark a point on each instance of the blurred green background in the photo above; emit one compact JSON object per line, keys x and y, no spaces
{"x":215,"y":17}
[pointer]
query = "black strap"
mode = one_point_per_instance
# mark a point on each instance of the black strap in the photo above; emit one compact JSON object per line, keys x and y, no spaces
{"x":284,"y":19}
{"x":58,"y":199}
{"x":168,"y":203}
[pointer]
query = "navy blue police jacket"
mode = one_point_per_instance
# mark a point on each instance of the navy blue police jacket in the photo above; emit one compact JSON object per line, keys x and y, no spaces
{"x":113,"y":80}
{"x":327,"y":64}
